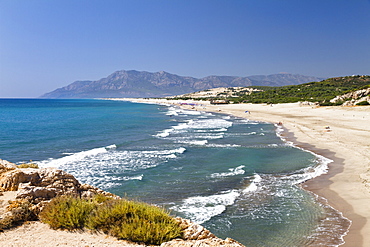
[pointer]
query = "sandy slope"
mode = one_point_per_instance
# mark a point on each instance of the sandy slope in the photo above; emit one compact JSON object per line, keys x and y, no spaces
{"x":37,"y":234}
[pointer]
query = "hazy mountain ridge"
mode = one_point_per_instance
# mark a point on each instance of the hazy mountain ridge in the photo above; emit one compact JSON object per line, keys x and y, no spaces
{"x":134,"y":83}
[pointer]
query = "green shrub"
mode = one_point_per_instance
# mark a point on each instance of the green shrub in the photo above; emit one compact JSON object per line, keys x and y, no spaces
{"x":135,"y":221}
{"x":67,"y":212}
{"x":363,"y":103}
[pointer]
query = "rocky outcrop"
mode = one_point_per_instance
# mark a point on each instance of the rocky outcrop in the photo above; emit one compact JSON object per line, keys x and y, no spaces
{"x":353,"y":98}
{"x":36,"y":187}
{"x":197,"y":236}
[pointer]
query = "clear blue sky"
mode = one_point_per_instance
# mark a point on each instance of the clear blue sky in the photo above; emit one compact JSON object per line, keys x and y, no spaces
{"x":46,"y":44}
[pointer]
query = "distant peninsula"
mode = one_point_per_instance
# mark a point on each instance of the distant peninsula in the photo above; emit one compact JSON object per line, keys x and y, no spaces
{"x":132,"y":83}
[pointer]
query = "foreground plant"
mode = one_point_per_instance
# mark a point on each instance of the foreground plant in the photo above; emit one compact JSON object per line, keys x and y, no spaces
{"x":135,"y":221}
{"x":17,"y":212}
{"x":28,"y":165}
{"x":67,"y":212}
{"x":129,"y":220}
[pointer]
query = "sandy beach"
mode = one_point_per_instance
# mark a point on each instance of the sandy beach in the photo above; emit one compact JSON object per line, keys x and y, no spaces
{"x":339,"y":133}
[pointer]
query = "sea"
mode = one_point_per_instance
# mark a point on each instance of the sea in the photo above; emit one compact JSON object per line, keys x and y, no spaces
{"x":236,"y":177}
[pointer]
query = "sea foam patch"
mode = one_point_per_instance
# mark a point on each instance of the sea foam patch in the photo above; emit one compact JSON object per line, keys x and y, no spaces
{"x":253,"y":186}
{"x":202,"y":208}
{"x":107,"y":167}
{"x":232,"y":172}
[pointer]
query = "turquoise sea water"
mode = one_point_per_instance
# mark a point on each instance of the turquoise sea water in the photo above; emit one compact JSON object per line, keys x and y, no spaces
{"x":234,"y":176}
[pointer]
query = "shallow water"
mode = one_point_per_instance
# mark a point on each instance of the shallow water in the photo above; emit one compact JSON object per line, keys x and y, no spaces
{"x":234,"y":176}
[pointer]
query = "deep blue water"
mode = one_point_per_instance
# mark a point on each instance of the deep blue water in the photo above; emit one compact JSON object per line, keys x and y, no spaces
{"x":234,"y":176}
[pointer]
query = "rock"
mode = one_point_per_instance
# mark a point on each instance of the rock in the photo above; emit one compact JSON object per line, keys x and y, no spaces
{"x":41,"y":185}
{"x":196,"y":235}
{"x":228,"y":242}
{"x":193,"y":231}
{"x":353,"y":98}
{"x":6,"y":166}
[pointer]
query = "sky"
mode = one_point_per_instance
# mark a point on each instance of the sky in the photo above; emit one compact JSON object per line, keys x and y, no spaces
{"x":46,"y":44}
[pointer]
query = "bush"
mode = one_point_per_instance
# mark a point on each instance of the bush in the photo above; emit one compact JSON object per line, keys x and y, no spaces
{"x":134,"y":221}
{"x":363,"y":103}
{"x":28,"y":165}
{"x":19,"y":213}
{"x":67,"y":212}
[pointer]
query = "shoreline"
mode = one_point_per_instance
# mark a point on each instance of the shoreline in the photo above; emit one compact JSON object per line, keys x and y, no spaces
{"x":341,"y":134}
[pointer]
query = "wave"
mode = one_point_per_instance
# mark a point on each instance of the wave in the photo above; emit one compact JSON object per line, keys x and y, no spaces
{"x":166,"y":152}
{"x":107,"y":167}
{"x":164,"y":133}
{"x":200,"y":209}
{"x":253,"y":186}
{"x":75,"y":157}
{"x":311,"y":172}
{"x":232,"y":172}
{"x":194,"y":142}
{"x":196,"y":131}
{"x":223,"y":145}
{"x":208,"y":123}
{"x":215,"y":130}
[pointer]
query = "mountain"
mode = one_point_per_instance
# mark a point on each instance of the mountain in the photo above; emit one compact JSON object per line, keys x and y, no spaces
{"x":134,"y":83}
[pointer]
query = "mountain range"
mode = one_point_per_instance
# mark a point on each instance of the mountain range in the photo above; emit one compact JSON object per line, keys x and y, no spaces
{"x":132,"y":83}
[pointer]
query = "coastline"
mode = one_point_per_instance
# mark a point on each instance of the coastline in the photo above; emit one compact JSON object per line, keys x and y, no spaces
{"x":341,"y":134}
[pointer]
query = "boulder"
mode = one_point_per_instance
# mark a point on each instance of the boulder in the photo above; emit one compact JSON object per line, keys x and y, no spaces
{"x":38,"y":185}
{"x":211,"y":242}
{"x":353,"y":98}
{"x":196,"y":235}
{"x":6,"y":166}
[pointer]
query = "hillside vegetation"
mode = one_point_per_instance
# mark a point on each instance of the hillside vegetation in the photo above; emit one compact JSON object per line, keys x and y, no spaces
{"x":321,"y":92}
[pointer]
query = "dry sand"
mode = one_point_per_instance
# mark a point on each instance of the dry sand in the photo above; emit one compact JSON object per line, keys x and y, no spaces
{"x":37,"y":234}
{"x":347,"y":142}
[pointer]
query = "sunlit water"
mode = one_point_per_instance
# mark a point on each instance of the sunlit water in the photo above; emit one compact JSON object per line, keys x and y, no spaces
{"x":234,"y":176}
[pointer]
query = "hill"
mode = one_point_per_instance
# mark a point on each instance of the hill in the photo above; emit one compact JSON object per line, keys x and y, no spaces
{"x":332,"y":91}
{"x":134,"y":83}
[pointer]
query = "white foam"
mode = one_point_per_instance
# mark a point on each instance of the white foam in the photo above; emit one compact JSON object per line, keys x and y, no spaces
{"x":200,"y":209}
{"x":205,"y":124}
{"x":312,"y":172}
{"x":164,"y":133}
{"x":103,"y":167}
{"x":210,"y":136}
{"x":172,"y":111}
{"x":195,"y":142}
{"x":224,"y":145}
{"x":186,"y":112}
{"x":214,"y":130}
{"x":183,"y":125}
{"x":74,"y":157}
{"x":164,"y":152}
{"x":309,"y":172}
{"x":232,"y":172}
{"x":254,"y":185}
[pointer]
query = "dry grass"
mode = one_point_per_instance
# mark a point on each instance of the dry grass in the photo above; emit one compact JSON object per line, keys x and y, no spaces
{"x":129,"y":220}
